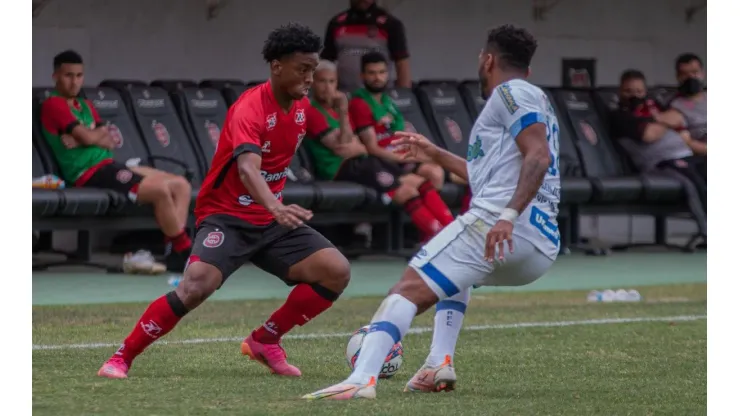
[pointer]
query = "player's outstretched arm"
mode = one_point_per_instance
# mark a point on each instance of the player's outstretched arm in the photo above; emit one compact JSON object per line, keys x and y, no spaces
{"x":249,"y":172}
{"x":532,"y":143}
{"x":414,"y":147}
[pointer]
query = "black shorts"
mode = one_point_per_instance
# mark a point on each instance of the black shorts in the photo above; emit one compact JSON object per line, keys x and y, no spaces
{"x":115,"y":176}
{"x":372,"y":172}
{"x":227,"y":243}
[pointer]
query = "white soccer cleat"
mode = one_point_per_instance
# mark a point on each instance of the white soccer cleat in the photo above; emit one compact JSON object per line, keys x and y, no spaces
{"x":345,"y":391}
{"x":142,"y":262}
{"x":433,"y":379}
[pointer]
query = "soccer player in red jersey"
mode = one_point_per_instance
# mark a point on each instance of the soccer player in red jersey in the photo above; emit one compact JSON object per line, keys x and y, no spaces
{"x":240,"y":215}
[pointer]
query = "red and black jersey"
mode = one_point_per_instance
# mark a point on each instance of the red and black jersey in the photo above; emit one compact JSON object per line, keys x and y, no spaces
{"x":257,"y":124}
{"x":353,"y":33}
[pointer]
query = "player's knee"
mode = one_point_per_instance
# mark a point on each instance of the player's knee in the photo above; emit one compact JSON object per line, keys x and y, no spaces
{"x":337,"y":273}
{"x":414,"y":288}
{"x":413,"y":180}
{"x":154,"y":190}
{"x":404,"y":193}
{"x":200,"y":280}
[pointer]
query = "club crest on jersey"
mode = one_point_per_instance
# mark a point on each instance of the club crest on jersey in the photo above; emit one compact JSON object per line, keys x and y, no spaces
{"x":213,"y":239}
{"x":300,"y":117}
{"x":115,"y":134}
{"x":271,"y":121}
{"x":504,"y":90}
{"x":160,"y":131}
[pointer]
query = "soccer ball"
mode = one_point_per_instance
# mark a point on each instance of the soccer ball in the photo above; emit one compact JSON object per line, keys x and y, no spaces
{"x":392,"y":361}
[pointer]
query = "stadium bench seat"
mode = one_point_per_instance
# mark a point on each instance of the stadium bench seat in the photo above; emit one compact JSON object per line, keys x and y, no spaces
{"x":335,"y":196}
{"x":600,"y":163}
{"x":471,"y":94}
{"x":163,"y":132}
{"x":232,"y":93}
{"x":122,"y":84}
{"x":172,"y":85}
{"x":409,"y":107}
{"x":45,"y":202}
{"x":203,"y":110}
{"x":447,"y":115}
{"x":663,"y":94}
{"x":220,"y":84}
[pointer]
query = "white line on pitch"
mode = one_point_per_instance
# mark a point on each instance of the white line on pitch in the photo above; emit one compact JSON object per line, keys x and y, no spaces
{"x":518,"y":325}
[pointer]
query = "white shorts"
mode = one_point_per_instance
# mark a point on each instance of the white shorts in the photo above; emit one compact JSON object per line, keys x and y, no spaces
{"x":454,"y":259}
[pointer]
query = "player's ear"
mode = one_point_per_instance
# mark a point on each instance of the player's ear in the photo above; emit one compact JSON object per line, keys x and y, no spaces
{"x":529,"y":72}
{"x":276,"y":67}
{"x":489,"y":63}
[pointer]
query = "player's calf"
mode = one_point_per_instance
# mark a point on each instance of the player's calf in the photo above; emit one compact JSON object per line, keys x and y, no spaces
{"x":199,"y":282}
{"x":407,"y":196}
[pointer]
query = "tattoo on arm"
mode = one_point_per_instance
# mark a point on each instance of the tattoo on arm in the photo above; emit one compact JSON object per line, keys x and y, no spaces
{"x":531,"y":176}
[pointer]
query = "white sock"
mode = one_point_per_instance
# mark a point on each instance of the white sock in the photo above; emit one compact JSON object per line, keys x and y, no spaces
{"x":389,"y":325}
{"x":447,"y":324}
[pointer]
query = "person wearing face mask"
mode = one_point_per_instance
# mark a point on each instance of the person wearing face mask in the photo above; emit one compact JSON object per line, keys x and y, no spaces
{"x":691,"y":100}
{"x":656,"y":138}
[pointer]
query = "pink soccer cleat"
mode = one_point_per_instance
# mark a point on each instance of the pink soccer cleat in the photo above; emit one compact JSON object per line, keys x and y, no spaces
{"x":114,"y":368}
{"x":433,"y":379}
{"x":345,"y":391}
{"x":272,"y":356}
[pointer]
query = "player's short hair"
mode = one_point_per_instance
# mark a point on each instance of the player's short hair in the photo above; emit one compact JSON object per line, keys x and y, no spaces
{"x":686,"y":58}
{"x":289,"y":39}
{"x":514,"y":46}
{"x":372,"y":58}
{"x":630,"y":75}
{"x":324,"y":64}
{"x":67,"y":57}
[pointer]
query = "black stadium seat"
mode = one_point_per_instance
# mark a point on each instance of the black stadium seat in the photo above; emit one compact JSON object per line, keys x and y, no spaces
{"x":601,"y":163}
{"x":163,"y":132}
{"x":471,"y":94}
{"x":233,"y":92}
{"x":122,"y":84}
{"x":45,"y":202}
{"x":575,"y":188}
{"x":220,"y":84}
{"x":443,"y":107}
{"x":333,"y":196}
{"x":413,"y":117}
{"x":663,"y":94}
{"x":204,"y":110}
{"x":172,"y":85}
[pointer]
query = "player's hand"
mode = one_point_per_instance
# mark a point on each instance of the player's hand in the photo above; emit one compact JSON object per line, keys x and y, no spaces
{"x":68,"y":141}
{"x":291,"y":215}
{"x":340,"y":102}
{"x":413,"y":147}
{"x":501,"y":232}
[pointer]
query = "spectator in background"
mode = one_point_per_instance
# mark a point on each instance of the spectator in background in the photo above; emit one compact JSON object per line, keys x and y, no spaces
{"x":84,"y":152}
{"x":657,"y":138}
{"x":691,"y":100}
{"x":339,"y":155}
{"x":364,"y":28}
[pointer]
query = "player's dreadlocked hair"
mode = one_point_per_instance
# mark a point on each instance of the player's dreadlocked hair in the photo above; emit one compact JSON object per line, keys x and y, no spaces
{"x":514,"y":46}
{"x":288,"y":39}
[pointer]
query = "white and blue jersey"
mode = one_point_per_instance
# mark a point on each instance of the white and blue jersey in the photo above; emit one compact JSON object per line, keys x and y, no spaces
{"x":494,"y":161}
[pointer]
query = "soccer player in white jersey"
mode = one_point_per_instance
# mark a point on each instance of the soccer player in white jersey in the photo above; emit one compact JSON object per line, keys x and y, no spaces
{"x":509,"y":237}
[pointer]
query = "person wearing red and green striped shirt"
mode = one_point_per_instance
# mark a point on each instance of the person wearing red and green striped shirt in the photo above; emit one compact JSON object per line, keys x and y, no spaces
{"x":339,"y":155}
{"x":83,"y":150}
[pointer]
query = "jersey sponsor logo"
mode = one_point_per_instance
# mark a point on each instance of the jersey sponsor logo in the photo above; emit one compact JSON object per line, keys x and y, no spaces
{"x":300,"y":117}
{"x":589,"y":132}
{"x":504,"y":90}
{"x":274,"y":177}
{"x":266,"y":147}
{"x":124,"y":176}
{"x":213,"y":239}
{"x":115,"y":135}
{"x":541,"y":221}
{"x":475,"y":150}
{"x":213,"y":131}
{"x":271,"y":121}
{"x":454,"y":129}
{"x":160,"y":131}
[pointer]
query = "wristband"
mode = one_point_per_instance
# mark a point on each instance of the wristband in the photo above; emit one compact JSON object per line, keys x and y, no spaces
{"x":508,"y":214}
